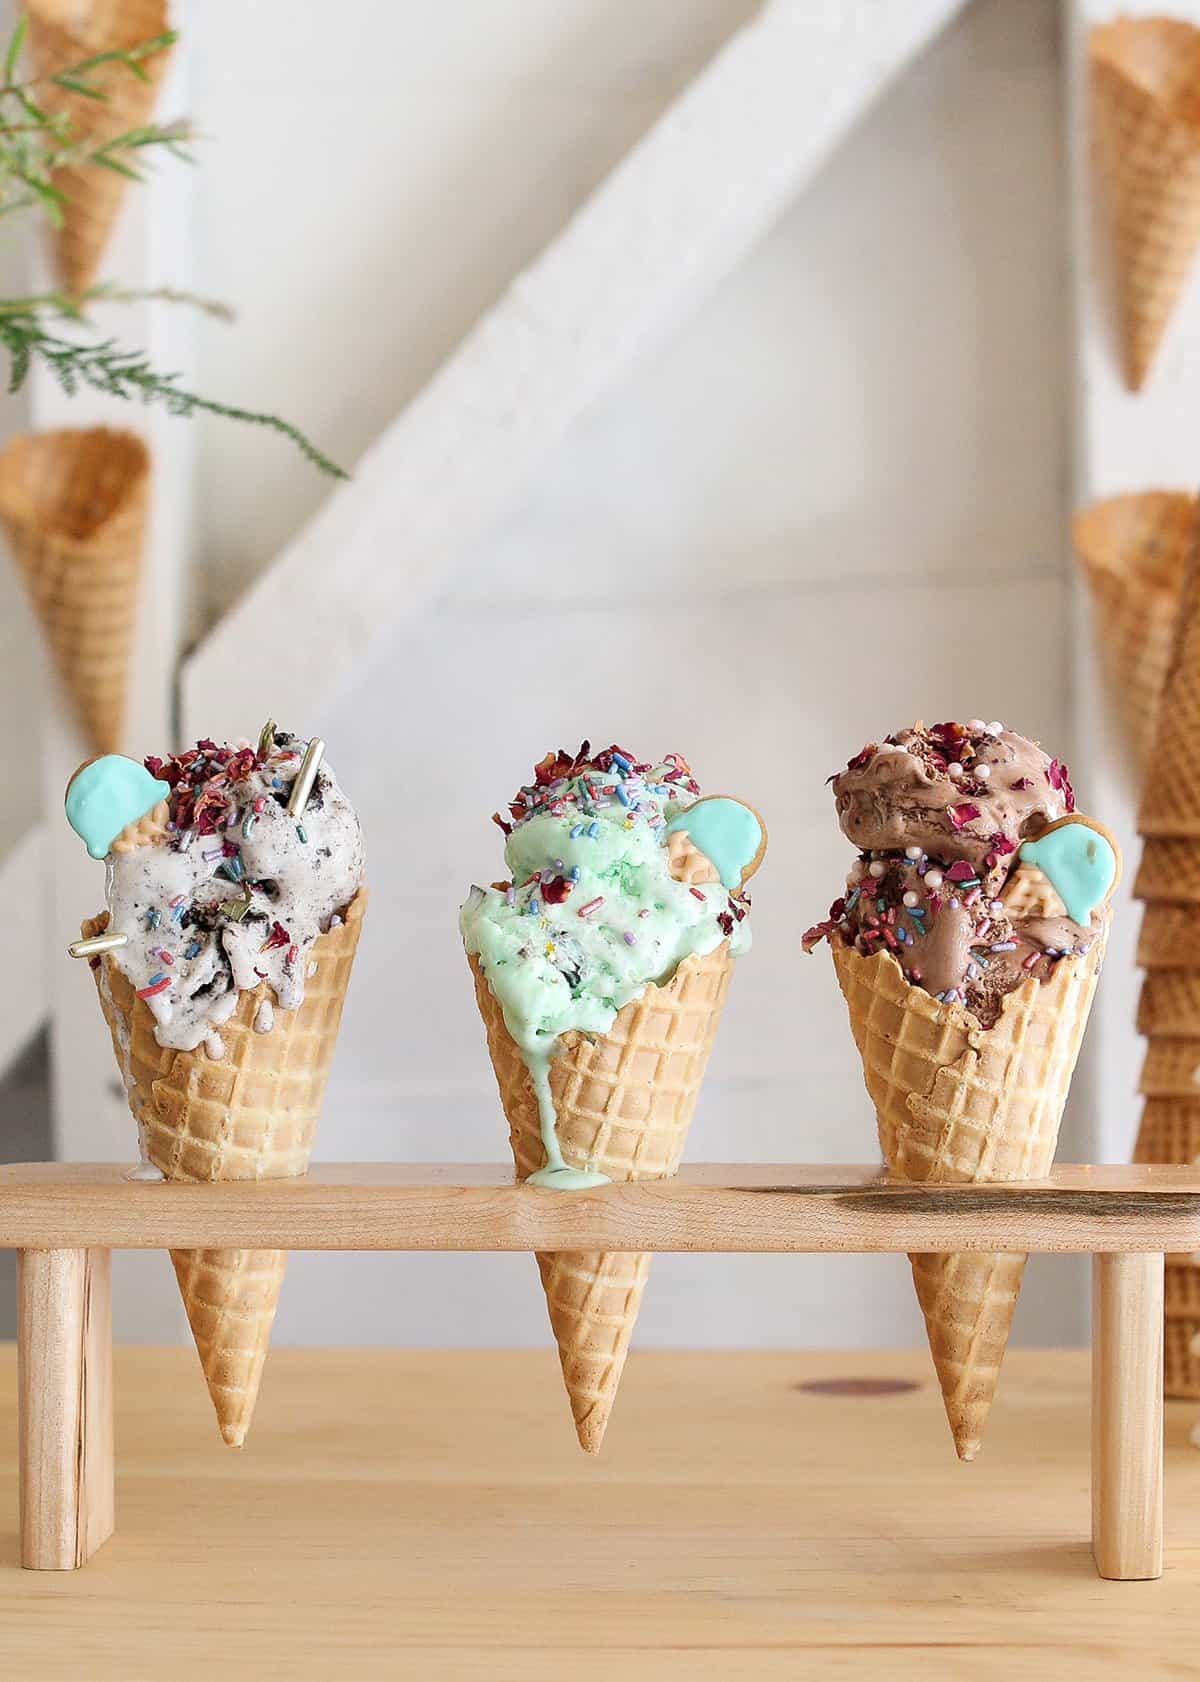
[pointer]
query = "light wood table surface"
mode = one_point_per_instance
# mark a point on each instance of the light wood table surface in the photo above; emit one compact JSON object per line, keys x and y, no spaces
{"x":427,"y":1515}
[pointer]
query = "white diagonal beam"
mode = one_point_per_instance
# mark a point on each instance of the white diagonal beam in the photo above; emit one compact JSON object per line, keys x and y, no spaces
{"x":671,"y":219}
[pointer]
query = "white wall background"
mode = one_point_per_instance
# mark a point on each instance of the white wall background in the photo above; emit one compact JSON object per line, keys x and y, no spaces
{"x":833,"y":500}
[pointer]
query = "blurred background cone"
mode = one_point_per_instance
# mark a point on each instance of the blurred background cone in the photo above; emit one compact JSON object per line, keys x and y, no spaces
{"x":1168,"y":881}
{"x":63,"y":33}
{"x":73,"y":506}
{"x":1145,"y":120}
{"x":1132,"y":550}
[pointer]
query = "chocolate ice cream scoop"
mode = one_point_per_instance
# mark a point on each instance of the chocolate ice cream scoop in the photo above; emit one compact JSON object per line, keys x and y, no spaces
{"x":941,"y":815}
{"x":972,"y":792}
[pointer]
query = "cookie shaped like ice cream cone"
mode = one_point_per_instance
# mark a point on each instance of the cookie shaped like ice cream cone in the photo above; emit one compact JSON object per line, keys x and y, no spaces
{"x":1133,"y":550}
{"x":616,"y":1098}
{"x":967,"y":948}
{"x":1145,"y":123}
{"x":62,"y":33}
{"x":238,"y":921}
{"x":73,"y":506}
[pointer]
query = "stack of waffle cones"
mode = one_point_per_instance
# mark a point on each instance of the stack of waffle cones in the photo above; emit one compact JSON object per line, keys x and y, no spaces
{"x":1145,"y":118}
{"x":1132,"y":550}
{"x":73,"y":506}
{"x":1169,"y":1011}
{"x":958,"y":1103}
{"x":623,"y":1104}
{"x":63,"y":33}
{"x":248,"y":1114}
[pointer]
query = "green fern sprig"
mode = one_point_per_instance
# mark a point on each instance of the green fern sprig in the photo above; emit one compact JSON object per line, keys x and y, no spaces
{"x":35,"y":145}
{"x":127,"y":374}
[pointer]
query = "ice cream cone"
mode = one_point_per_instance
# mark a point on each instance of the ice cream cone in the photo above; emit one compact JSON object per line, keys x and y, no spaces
{"x":1169,"y":872}
{"x":63,"y":33}
{"x":1172,"y":1070}
{"x":958,"y":1103}
{"x":1132,"y":550}
{"x":248,"y":1113}
{"x":1145,"y":120}
{"x":1167,"y":938}
{"x":1170,"y":1004}
{"x":73,"y":505}
{"x":623,"y":1105}
{"x":1181,"y":1348}
{"x":1029,"y":894}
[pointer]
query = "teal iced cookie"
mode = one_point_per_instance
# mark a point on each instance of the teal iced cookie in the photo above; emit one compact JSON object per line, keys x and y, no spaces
{"x":728,"y":832}
{"x":106,"y":795}
{"x":1080,"y":860}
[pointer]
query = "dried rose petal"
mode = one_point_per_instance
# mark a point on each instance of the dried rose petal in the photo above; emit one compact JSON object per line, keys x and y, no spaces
{"x":963,"y":814}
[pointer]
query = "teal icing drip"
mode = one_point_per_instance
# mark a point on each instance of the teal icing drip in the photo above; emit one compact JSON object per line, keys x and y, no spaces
{"x":726,"y":832}
{"x":107,"y":795}
{"x":1079,"y":863}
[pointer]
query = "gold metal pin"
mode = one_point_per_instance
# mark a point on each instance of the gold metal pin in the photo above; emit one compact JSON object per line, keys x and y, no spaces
{"x":305,"y":777}
{"x":97,"y":943}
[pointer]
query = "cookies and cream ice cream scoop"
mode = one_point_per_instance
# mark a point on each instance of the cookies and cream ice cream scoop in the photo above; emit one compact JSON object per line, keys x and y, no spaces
{"x":218,"y":875}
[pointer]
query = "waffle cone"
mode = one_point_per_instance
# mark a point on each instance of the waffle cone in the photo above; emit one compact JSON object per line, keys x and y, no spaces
{"x":1145,"y":118}
{"x":73,"y":506}
{"x":1169,"y":872}
{"x":1029,"y":894}
{"x":1172,"y":1070}
{"x":249,"y":1114}
{"x":623,"y":1104}
{"x":1169,"y":1006}
{"x":959,"y":1103}
{"x":1181,"y":1361}
{"x":63,"y":33}
{"x":1167,"y":938}
{"x":1132,"y":550}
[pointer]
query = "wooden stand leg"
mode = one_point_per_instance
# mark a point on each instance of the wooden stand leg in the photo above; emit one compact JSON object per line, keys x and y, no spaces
{"x":64,"y":1353}
{"x":1127,"y":1415}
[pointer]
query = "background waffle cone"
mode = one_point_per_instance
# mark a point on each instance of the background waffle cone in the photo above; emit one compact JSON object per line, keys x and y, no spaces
{"x":958,"y":1103}
{"x":1181,"y":1351}
{"x":1172,"y":1070}
{"x":1145,"y":119}
{"x":248,"y":1115}
{"x":1170,"y":872}
{"x":1132,"y":550}
{"x":1167,"y":937}
{"x":73,"y":506}
{"x":1169,"y":1005}
{"x":63,"y":33}
{"x":624,"y":1103}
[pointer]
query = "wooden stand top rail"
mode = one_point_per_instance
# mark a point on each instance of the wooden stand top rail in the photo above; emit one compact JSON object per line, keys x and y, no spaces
{"x":709,"y":1207}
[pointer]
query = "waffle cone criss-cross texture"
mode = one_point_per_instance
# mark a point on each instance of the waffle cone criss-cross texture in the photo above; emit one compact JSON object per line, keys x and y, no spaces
{"x":1133,"y":551}
{"x":62,"y":33}
{"x":1168,"y":881}
{"x":250,"y":1114}
{"x":623,"y":1104}
{"x":73,"y":506}
{"x":958,"y":1103}
{"x":1145,"y":119}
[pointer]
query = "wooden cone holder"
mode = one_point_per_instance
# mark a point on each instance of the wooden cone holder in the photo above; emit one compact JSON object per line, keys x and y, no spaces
{"x":64,"y":1219}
